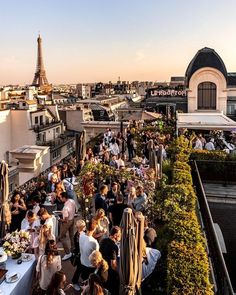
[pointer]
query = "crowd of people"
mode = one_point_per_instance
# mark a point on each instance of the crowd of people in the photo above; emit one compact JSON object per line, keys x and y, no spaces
{"x":200,"y":143}
{"x":215,"y":141}
{"x":91,"y":245}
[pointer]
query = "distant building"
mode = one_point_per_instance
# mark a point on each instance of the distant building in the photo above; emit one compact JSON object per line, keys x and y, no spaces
{"x":118,"y":88}
{"x":101,"y":113}
{"x":74,"y":116}
{"x":84,"y":91}
{"x":32,"y":125}
{"x":4,"y":97}
{"x":166,"y":97}
{"x":27,"y":105}
{"x":30,"y":92}
{"x":206,"y":86}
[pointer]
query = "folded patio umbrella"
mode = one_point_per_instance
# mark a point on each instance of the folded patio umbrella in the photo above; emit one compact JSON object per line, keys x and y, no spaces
{"x":130,"y":254}
{"x":153,"y":160}
{"x":4,"y":192}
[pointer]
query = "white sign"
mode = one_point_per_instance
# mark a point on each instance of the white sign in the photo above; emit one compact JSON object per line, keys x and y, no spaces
{"x":167,"y":92}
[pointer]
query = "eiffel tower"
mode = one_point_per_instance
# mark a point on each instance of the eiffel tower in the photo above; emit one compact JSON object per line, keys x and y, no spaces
{"x":40,"y":78}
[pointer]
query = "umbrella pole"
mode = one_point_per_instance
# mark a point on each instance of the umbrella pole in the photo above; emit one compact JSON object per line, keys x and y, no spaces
{"x":139,"y":239}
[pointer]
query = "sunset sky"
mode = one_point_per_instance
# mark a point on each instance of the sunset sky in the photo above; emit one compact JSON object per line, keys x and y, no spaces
{"x":99,"y":40}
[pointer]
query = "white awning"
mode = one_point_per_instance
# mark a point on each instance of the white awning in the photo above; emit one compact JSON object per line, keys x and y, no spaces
{"x":205,"y":121}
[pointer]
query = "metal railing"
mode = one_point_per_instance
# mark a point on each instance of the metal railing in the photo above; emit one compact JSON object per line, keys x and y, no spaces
{"x":57,"y":142}
{"x":41,"y":127}
{"x":220,"y":272}
{"x":217,"y":171}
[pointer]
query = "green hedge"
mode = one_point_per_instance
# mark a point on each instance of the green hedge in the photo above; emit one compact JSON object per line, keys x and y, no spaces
{"x":188,"y":269}
{"x":212,"y":155}
{"x":186,"y":228}
{"x":180,"y":176}
{"x":187,"y":261}
{"x":208,"y":155}
{"x":180,"y":149}
{"x":177,"y":198}
{"x":182,"y":166}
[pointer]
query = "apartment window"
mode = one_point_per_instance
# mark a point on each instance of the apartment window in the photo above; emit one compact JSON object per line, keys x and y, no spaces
{"x":36,"y":120}
{"x":41,"y":120}
{"x":207,"y":96}
{"x":11,"y":187}
{"x":231,"y":108}
{"x":70,"y":147}
{"x":44,"y":136}
{"x":58,"y":130}
{"x":56,"y":154}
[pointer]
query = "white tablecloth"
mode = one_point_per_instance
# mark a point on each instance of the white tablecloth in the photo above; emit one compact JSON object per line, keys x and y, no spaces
{"x":24,"y":284}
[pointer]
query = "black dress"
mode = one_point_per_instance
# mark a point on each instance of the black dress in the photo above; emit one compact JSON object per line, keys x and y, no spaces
{"x":16,"y":219}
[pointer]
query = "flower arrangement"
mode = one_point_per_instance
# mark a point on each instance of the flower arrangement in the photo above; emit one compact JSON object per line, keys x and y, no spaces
{"x":16,"y":242}
{"x":137,"y":160}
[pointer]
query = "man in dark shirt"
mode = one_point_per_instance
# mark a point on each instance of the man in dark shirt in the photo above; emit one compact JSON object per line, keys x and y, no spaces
{"x":110,"y":251}
{"x":113,"y":162}
{"x":112,"y":194}
{"x":130,"y":145}
{"x":116,"y":210}
{"x":100,"y":199}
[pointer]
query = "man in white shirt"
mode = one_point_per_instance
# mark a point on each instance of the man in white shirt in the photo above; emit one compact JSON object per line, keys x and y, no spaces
{"x":67,"y":224}
{"x":87,"y":244}
{"x":210,"y":145}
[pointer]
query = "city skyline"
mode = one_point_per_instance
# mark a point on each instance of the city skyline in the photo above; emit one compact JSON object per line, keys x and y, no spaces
{"x":92,"y":42}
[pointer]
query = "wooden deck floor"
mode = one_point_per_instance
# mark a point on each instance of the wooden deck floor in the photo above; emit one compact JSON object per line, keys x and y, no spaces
{"x":220,"y":190}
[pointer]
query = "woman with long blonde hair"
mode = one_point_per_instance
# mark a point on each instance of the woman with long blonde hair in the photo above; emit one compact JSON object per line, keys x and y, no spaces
{"x":102,"y":229}
{"x":101,"y":266}
{"x":45,"y":234}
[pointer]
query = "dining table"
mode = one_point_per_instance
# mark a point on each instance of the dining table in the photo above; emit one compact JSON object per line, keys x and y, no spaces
{"x":25,"y":271}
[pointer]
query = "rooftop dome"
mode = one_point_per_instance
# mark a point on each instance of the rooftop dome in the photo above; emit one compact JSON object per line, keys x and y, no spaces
{"x":205,"y":57}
